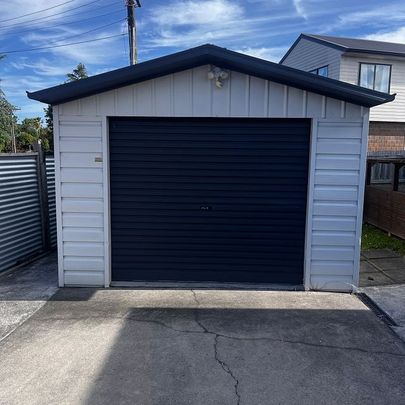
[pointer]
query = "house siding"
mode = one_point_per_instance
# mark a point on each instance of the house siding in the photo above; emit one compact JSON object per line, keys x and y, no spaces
{"x":308,"y":55}
{"x":335,"y":178}
{"x":390,"y":112}
{"x":81,"y":201}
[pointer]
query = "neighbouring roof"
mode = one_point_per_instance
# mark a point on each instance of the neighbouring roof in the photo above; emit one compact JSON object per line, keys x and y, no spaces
{"x":353,"y":45}
{"x":210,"y":54}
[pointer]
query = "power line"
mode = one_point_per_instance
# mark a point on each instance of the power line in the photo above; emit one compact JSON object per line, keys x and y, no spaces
{"x":52,"y":15}
{"x":36,"y":12}
{"x":86,"y":32}
{"x":59,"y":46}
{"x":80,"y":34}
{"x":68,"y":22}
{"x":54,"y":19}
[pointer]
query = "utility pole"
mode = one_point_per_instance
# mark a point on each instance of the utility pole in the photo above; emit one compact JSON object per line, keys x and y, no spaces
{"x":13,"y":140}
{"x":133,"y":51}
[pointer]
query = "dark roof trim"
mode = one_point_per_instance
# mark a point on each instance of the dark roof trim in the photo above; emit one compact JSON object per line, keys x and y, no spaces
{"x":329,"y":42}
{"x":210,"y":54}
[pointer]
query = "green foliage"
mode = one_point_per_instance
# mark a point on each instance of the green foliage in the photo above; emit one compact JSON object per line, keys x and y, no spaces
{"x":29,"y":131}
{"x":80,"y":72}
{"x":7,"y":119}
{"x":49,"y":127}
{"x":374,"y":238}
{"x":49,"y":117}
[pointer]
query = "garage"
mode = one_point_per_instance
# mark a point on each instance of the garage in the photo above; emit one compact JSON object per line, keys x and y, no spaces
{"x":208,"y":199}
{"x":210,"y":166}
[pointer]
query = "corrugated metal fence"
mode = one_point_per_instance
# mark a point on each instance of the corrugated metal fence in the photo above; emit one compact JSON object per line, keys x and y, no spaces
{"x":50,"y":181}
{"x":27,"y":207}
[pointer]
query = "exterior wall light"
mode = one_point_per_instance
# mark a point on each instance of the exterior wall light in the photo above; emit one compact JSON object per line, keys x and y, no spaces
{"x":218,"y":75}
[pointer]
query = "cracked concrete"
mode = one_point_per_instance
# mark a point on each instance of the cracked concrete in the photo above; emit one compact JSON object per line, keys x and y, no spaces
{"x":89,"y":346}
{"x":227,"y":369}
{"x":222,"y":363}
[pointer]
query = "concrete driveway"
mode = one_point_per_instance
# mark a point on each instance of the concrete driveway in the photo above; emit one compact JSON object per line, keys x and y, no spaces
{"x":117,"y":346}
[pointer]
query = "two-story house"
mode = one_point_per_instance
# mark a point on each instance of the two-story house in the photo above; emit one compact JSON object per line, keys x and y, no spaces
{"x":373,"y":64}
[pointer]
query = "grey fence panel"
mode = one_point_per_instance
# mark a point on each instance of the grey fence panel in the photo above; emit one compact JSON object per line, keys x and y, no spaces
{"x":50,"y":181}
{"x":384,"y":172}
{"x":20,"y":210}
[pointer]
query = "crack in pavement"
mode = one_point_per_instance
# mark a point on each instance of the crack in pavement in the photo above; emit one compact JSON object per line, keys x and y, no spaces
{"x":238,"y":338}
{"x":227,"y":369}
{"x":222,"y":363}
{"x":197,"y":314}
{"x":265,"y":338}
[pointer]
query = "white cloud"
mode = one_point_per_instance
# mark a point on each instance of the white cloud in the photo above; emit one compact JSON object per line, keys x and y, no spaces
{"x":92,"y":53}
{"x":271,"y":54}
{"x":96,"y":52}
{"x":43,"y":67}
{"x":397,"y":35}
{"x":188,"y":23}
{"x":15,"y":87}
{"x":186,"y":12}
{"x":38,"y":39}
{"x":377,"y":15}
{"x":299,"y":8}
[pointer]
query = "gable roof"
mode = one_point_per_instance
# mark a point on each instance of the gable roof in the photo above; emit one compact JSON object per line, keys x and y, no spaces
{"x":210,"y":54}
{"x":353,"y":45}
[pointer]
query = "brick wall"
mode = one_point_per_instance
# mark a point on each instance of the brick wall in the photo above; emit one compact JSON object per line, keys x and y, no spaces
{"x":386,"y":137}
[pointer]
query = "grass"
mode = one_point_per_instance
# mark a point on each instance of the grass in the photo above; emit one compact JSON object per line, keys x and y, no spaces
{"x":374,"y":238}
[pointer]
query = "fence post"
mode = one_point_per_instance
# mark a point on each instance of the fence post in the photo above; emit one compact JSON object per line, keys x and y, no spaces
{"x":395,"y":182}
{"x":368,"y":172}
{"x":43,"y":195}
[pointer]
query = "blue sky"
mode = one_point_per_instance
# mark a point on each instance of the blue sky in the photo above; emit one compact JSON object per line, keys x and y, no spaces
{"x":263,"y":28}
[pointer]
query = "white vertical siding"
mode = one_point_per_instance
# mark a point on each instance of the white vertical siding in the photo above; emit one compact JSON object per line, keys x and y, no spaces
{"x":81,"y":198}
{"x":191,"y":94}
{"x":337,"y":181}
{"x":308,"y":55}
{"x":332,"y":228}
{"x":394,"y":111}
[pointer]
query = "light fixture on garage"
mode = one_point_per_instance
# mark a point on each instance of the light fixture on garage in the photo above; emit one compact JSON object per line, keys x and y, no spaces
{"x":218,"y":75}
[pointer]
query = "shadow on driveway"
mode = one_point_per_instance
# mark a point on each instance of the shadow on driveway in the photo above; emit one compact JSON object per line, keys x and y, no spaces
{"x":202,"y":347}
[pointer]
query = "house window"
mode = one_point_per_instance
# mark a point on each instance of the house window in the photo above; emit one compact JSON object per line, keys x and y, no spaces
{"x":322,"y":71}
{"x":375,"y":76}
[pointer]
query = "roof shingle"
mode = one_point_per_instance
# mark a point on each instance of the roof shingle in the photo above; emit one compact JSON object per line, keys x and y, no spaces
{"x":362,"y":45}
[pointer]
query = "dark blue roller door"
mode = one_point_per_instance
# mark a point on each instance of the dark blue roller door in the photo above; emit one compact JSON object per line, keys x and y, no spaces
{"x":208,"y":199}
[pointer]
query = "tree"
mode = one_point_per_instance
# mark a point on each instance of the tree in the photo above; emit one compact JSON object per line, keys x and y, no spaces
{"x":49,"y":117}
{"x":29,"y":131}
{"x":7,"y":120}
{"x":80,"y":72}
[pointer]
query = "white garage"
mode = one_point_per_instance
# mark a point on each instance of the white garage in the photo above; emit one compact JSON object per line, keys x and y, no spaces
{"x":209,"y":166}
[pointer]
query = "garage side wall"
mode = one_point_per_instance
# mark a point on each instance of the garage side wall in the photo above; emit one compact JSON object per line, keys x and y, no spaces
{"x":80,"y":202}
{"x":336,"y":178}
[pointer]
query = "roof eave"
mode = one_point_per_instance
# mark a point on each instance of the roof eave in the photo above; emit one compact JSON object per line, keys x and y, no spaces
{"x":374,"y":52}
{"x":209,"y":54}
